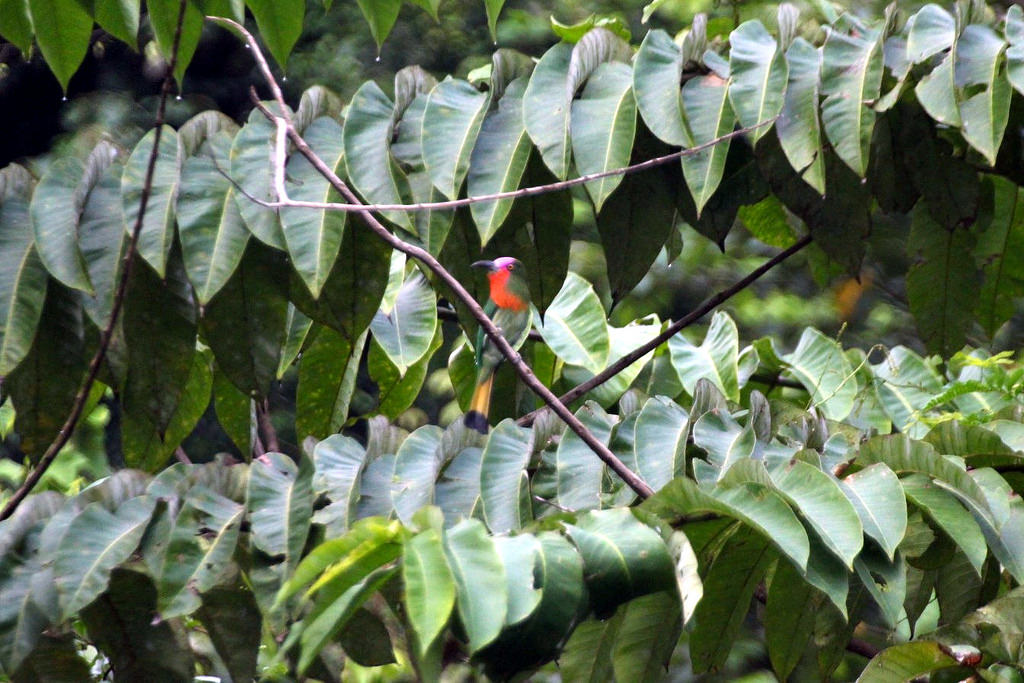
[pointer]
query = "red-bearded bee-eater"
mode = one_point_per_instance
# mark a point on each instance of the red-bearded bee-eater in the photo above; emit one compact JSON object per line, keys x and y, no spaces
{"x":509,"y":308}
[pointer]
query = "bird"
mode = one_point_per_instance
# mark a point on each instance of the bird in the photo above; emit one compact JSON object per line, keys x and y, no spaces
{"x":509,"y":308}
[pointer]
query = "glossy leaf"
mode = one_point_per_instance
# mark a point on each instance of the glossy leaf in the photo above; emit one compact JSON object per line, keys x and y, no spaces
{"x":101,"y":238}
{"x":480,"y":587}
{"x":979,"y":53}
{"x":579,"y":471}
{"x":851,"y":78}
{"x":23,"y":279}
{"x":416,"y":465}
{"x":502,"y":469}
{"x":660,"y":441}
{"x":327,"y":380}
{"x":405,"y":331}
{"x":252,"y":159}
{"x":930,"y":30}
{"x":163,"y":18}
{"x":709,"y":116}
{"x":799,"y":125}
{"x":877,"y":496}
{"x":63,"y":29}
{"x":660,"y":61}
{"x":546,"y":108}
{"x":949,"y":515}
{"x":451,"y":123}
{"x":575,"y":327}
{"x":820,"y":365}
{"x":380,"y":16}
{"x":56,"y":206}
{"x":759,"y":75}
{"x":280,"y":24}
{"x":158,"y":223}
{"x":280,"y":504}
{"x":714,"y":360}
{"x":429,"y":587}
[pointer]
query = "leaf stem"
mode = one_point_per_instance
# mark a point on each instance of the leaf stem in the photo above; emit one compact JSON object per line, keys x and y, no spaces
{"x":107,"y":333}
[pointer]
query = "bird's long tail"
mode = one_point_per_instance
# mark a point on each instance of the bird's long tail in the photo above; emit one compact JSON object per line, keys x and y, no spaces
{"x":476,"y":417}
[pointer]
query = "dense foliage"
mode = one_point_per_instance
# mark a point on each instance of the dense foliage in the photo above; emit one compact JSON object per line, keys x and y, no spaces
{"x":851,"y":501}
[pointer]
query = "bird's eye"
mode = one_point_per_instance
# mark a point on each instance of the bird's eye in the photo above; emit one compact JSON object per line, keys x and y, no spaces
{"x":510,"y":266}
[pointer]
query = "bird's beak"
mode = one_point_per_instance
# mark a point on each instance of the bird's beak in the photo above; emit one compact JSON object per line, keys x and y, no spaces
{"x":489,"y":265}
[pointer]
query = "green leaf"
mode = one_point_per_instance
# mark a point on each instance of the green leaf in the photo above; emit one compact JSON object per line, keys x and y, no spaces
{"x":163,"y":17}
{"x":480,"y":586}
{"x":405,"y":331}
{"x":876,"y":494}
{"x":622,"y":558}
{"x":949,"y":515}
{"x":458,"y":487}
{"x":252,"y":158}
{"x":728,"y":588}
{"x":280,"y":24}
{"x":498,"y":160}
{"x":575,"y":327}
{"x":906,"y":384}
{"x":546,"y":108}
{"x":416,"y":466}
{"x":339,"y":462}
{"x":232,"y":620}
{"x":198,"y":551}
{"x":603,"y":124}
{"x":451,"y":123}
{"x":212,"y":232}
{"x":725,"y":443}
{"x":23,"y":281}
{"x":623,"y":340}
{"x":659,"y":445}
{"x":759,"y":75}
{"x":160,"y":333}
{"x":907,"y":662}
{"x":984,"y":114}
{"x":820,"y":365}
{"x":56,"y":206}
{"x":234,"y":412}
{"x":119,"y":18}
{"x":851,"y":79}
{"x":502,"y":476}
{"x":369,"y":127}
{"x":937,"y":92}
{"x":999,"y":251}
{"x":314,"y":236}
{"x":789,"y":618}
{"x":646,"y":637}
{"x":381,"y":16}
{"x":579,"y":470}
{"x":942,"y":285}
{"x":397,"y":391}
{"x":279,"y":503}
{"x":244,"y":323}
{"x":659,"y":61}
{"x":137,"y":646}
{"x":298,"y":326}
{"x":822,"y":503}
{"x":429,"y":587}
{"x":157,"y":233}
{"x":756,"y":506}
{"x":16,"y":24}
{"x":63,"y":29}
{"x":799,"y":126}
{"x":714,"y":360}
{"x":327,"y":380}
{"x":708,"y":116}
{"x":930,"y":30}
{"x":102,"y":239}
{"x":588,"y":654}
{"x":95,"y":542}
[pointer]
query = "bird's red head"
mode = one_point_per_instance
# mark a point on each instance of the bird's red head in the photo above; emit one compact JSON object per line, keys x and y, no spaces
{"x":500,"y":272}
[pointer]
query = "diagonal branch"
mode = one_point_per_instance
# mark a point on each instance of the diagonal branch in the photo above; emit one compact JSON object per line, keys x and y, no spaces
{"x":107,"y":333}
{"x":693,"y":316}
{"x":284,"y":121}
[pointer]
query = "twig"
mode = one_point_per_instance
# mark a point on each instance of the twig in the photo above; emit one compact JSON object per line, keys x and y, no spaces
{"x":267,"y":427}
{"x":693,"y":316}
{"x":181,"y":456}
{"x":423,"y":256}
{"x":81,"y":398}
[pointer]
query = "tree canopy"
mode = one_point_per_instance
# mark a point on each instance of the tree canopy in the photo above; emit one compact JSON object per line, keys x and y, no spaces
{"x":296,"y":290}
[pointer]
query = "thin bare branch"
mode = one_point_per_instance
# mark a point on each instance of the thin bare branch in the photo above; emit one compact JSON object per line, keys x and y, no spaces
{"x":423,"y":256}
{"x":693,"y":316}
{"x":267,"y":427}
{"x":122,"y":287}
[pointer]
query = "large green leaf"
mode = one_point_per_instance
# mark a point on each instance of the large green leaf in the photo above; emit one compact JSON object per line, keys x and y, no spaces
{"x":949,"y":516}
{"x":820,"y":365}
{"x":157,"y":233}
{"x":907,"y":662}
{"x":851,"y":78}
{"x":429,"y":587}
{"x":725,"y":443}
{"x":163,"y":18}
{"x":546,"y":108}
{"x":22,"y":280}
{"x":369,"y":126}
{"x":120,"y":19}
{"x":95,"y":542}
{"x":799,"y":126}
{"x":658,"y":62}
{"x":244,"y":323}
{"x":588,"y":653}
{"x":759,"y":75}
{"x":458,"y":486}
{"x":63,"y":29}
{"x":623,"y":341}
{"x":660,"y":442}
{"x":714,"y":360}
{"x":876,"y":494}
{"x":339,"y":462}
{"x":731,"y":580}
{"x":416,"y":465}
{"x":327,"y":380}
{"x":579,"y":470}
{"x":622,"y":558}
{"x":102,"y":238}
{"x":16,"y":24}
{"x":232,"y":620}
{"x":381,"y":16}
{"x":930,"y":30}
{"x":405,"y":330}
{"x":906,"y":382}
{"x":708,"y":116}
{"x":280,"y":24}
{"x":575,"y":327}
{"x":451,"y":123}
{"x":999,"y":250}
{"x":503,"y":476}
{"x":789,"y":618}
{"x":314,"y":236}
{"x":397,"y":391}
{"x":56,"y":206}
{"x":252,"y":160}
{"x":942,"y":285}
{"x":603,"y":124}
{"x":646,"y":637}
{"x":280,"y":505}
{"x":498,"y":160}
{"x":212,"y":232}
{"x":480,"y":586}
{"x":984,"y":114}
